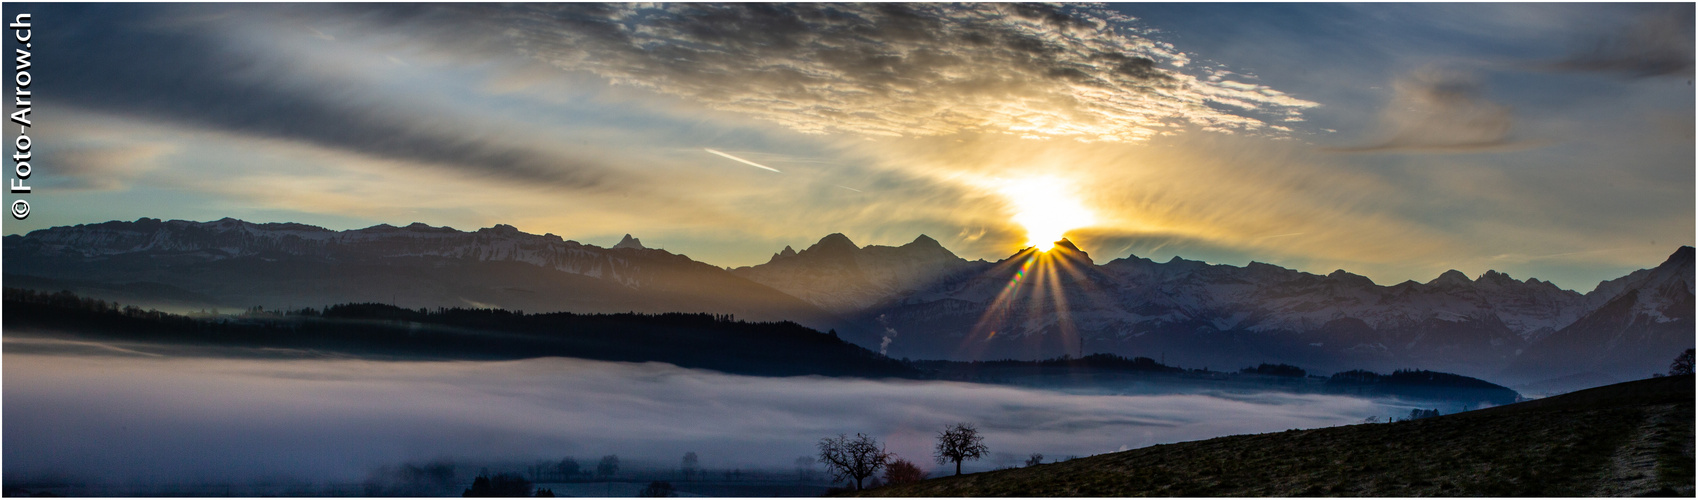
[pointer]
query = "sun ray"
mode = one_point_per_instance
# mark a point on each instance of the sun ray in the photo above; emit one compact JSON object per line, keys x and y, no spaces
{"x":1036,"y":289}
{"x":1047,"y":208}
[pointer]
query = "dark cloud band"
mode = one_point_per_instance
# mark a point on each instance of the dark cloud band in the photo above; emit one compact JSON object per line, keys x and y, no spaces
{"x":146,"y":62}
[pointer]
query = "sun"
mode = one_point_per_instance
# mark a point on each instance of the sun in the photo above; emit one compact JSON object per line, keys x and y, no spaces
{"x":1047,"y":208}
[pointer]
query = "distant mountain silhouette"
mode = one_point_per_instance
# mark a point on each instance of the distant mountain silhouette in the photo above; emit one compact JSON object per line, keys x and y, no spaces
{"x":1642,"y":318}
{"x":842,"y":278}
{"x":916,"y":300}
{"x":1218,"y":315}
{"x":235,"y":264}
{"x":629,"y":242}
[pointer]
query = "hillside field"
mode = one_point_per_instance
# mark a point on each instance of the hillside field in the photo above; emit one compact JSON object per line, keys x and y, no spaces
{"x":1629,"y":439}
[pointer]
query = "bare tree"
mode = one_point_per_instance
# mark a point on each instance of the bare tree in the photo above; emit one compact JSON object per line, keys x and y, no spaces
{"x":1035,"y":459}
{"x":691,"y":465}
{"x":857,"y":458}
{"x":958,"y":443}
{"x":608,"y":467}
{"x":1682,"y":364}
{"x":567,"y":468}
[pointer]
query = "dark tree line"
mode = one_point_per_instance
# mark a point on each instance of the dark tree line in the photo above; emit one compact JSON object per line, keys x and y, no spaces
{"x":1276,"y":370}
{"x":714,"y":342}
{"x":500,"y":485}
{"x":1098,"y":361}
{"x":1420,"y":383}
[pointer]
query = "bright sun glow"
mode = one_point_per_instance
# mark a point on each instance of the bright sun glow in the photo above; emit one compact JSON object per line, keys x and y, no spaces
{"x":1047,"y":208}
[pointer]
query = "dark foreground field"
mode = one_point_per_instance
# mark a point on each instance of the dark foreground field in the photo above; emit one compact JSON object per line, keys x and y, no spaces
{"x":1629,"y":439}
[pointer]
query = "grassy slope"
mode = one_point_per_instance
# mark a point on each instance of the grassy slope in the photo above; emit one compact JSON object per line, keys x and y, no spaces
{"x":1626,"y":439}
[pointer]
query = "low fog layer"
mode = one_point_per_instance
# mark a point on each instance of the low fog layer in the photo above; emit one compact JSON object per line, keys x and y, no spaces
{"x":123,"y":417}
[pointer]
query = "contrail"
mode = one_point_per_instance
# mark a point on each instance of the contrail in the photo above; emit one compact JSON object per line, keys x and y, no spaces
{"x":847,"y":187}
{"x":757,"y":165}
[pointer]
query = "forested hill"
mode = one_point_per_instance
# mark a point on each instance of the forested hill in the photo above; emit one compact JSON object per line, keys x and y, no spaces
{"x":713,"y":342}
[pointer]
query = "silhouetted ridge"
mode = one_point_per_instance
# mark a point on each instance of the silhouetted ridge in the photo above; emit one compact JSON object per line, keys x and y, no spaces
{"x":1421,"y":383}
{"x":925,"y":242}
{"x":834,"y":242}
{"x":381,"y":331}
{"x":1451,"y":277}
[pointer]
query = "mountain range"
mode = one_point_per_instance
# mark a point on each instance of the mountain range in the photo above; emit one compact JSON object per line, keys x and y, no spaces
{"x":235,"y":264}
{"x":916,"y":300}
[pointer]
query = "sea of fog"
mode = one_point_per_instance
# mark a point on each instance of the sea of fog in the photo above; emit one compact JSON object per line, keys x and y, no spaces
{"x":98,"y":413}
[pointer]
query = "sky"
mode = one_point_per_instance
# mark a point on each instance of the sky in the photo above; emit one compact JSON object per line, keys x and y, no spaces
{"x":1395,"y":141}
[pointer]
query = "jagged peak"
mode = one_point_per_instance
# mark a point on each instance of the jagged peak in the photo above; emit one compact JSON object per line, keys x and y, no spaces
{"x":1065,"y":247}
{"x":786,"y":254}
{"x":629,"y":242}
{"x":1680,"y":255}
{"x":924,"y":241}
{"x":1133,"y":258}
{"x":1492,"y":276}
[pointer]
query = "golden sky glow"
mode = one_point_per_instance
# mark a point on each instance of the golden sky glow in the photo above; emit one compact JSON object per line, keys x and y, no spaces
{"x":1157,"y":130}
{"x":1047,"y":208}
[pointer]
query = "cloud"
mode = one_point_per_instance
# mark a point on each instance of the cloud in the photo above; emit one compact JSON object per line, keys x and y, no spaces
{"x":182,"y":419}
{"x":1659,"y":42}
{"x":153,"y":64}
{"x":883,"y":69}
{"x":99,"y":168}
{"x":1437,"y":110}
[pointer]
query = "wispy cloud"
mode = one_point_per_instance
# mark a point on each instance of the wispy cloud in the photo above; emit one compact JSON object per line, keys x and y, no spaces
{"x":1033,"y":71}
{"x":1439,"y":110}
{"x":100,"y":167}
